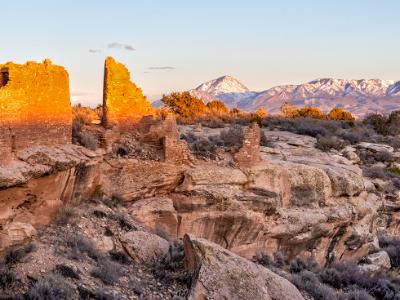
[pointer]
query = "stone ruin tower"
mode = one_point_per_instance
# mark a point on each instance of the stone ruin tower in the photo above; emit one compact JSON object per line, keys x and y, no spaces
{"x":35,"y":107}
{"x":249,"y":154}
{"x":123,"y":102}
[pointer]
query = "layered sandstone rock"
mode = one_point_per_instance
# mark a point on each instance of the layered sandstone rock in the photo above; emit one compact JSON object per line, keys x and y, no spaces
{"x":123,"y":102}
{"x":220,"y":274}
{"x":299,"y":200}
{"x":39,"y":161}
{"x":133,"y":179}
{"x":35,"y":107}
{"x":34,"y":187}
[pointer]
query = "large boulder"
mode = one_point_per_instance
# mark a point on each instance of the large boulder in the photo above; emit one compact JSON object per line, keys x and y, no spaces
{"x":143,"y":246}
{"x":221,"y":274}
{"x":379,"y":259}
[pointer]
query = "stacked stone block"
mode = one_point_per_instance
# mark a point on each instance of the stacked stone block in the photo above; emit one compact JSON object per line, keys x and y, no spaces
{"x":123,"y":102}
{"x":249,"y":154}
{"x":35,"y":107}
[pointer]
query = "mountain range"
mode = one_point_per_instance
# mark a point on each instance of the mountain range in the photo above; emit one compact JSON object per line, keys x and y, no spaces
{"x":357,"y":96}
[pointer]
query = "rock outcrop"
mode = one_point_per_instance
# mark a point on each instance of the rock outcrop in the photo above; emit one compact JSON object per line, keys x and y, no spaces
{"x":36,"y":186}
{"x":220,"y":274}
{"x":35,"y":108}
{"x":298,"y":200}
{"x":133,"y":179}
{"x":123,"y":102}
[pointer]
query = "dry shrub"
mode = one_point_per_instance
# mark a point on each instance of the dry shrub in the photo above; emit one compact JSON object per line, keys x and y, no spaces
{"x":64,"y":216}
{"x":212,"y":122}
{"x":7,"y":279}
{"x":311,"y":112}
{"x":203,"y":148}
{"x":340,"y":114}
{"x":108,"y":272}
{"x":341,"y":281}
{"x":391,"y":245}
{"x":326,"y":143}
{"x":375,"y":172}
{"x":233,"y":137}
{"x":288,"y":110}
{"x":52,"y":287}
{"x":378,"y":122}
{"x":66,"y":271}
{"x":185,"y":105}
{"x":17,"y":254}
{"x":217,"y":107}
{"x":261,"y":113}
{"x":85,"y":115}
{"x":82,"y":137}
{"x":81,"y":245}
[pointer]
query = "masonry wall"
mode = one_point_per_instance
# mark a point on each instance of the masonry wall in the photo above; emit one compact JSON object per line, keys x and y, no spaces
{"x":161,"y":128}
{"x":175,"y":151}
{"x":35,"y":106}
{"x":249,"y":154}
{"x":123,"y":102}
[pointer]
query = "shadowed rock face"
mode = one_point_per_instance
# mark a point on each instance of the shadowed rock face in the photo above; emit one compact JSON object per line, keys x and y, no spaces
{"x":35,"y":107}
{"x":123,"y":102}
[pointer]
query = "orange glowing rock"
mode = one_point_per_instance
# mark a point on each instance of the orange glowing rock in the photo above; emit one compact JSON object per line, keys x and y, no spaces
{"x":123,"y":102}
{"x":35,"y":106}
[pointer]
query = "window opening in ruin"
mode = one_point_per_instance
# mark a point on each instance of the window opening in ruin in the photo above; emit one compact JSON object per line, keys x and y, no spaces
{"x":4,"y":77}
{"x":122,"y":152}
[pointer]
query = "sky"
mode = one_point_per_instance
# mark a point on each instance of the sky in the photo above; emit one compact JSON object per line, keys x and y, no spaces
{"x":175,"y":45}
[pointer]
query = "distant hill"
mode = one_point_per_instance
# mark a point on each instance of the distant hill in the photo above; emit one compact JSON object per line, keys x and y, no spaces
{"x":358,"y":96}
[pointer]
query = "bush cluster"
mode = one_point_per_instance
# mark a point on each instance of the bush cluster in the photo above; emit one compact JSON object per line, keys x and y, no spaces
{"x":171,"y":268}
{"x":184,"y":104}
{"x":207,"y":147}
{"x":391,"y":245}
{"x":384,"y":125}
{"x":337,"y":281}
{"x":82,"y":137}
{"x":86,"y":115}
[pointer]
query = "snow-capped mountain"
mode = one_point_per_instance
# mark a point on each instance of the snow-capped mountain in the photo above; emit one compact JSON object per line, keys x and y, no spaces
{"x":221,"y":85}
{"x":358,"y":96}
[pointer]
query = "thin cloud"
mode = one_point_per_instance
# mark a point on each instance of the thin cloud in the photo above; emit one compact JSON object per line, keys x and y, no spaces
{"x":126,"y":47}
{"x":94,"y":51}
{"x":162,"y":68}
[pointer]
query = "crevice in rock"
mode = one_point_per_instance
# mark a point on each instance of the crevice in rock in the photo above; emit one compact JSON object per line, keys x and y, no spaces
{"x":66,"y":185}
{"x":330,"y":256}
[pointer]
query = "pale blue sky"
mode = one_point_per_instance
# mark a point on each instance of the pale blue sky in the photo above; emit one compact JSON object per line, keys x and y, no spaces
{"x":261,"y":43}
